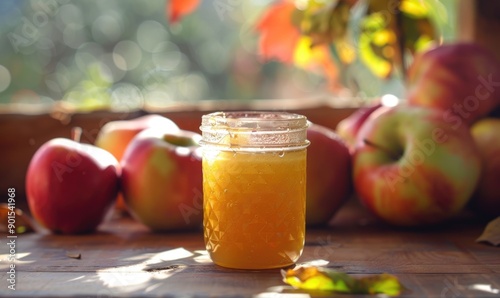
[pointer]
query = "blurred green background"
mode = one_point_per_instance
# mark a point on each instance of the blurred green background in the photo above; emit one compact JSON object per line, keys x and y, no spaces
{"x":123,"y":54}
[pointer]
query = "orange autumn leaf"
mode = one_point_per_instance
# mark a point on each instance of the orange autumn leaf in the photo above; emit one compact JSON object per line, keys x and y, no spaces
{"x":282,"y":40}
{"x":176,"y":9}
{"x":278,"y":35}
{"x":316,"y":58}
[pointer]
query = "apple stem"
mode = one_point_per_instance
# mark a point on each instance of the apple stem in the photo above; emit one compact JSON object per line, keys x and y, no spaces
{"x":401,"y":40}
{"x":76,"y":134}
{"x":389,"y":152}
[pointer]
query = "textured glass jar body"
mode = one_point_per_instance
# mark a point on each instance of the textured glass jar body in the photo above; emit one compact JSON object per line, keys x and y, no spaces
{"x":254,"y":187}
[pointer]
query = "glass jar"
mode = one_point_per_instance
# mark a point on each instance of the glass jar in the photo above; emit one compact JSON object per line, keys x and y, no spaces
{"x":254,"y":188}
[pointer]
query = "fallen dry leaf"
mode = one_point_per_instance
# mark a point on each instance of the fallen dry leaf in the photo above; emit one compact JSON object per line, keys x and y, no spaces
{"x":22,"y":223}
{"x":491,"y":233}
{"x":324,"y":279}
{"x":74,"y":255}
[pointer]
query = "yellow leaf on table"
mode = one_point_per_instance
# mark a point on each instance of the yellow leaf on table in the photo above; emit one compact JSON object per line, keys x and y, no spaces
{"x":324,"y":279}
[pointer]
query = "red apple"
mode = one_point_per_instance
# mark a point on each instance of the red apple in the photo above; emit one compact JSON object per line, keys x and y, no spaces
{"x":71,"y":186}
{"x":463,"y":79}
{"x":114,"y":136}
{"x":162,"y":179}
{"x":349,"y":127}
{"x":412,"y":167}
{"x":328,"y":174}
{"x":487,"y":197}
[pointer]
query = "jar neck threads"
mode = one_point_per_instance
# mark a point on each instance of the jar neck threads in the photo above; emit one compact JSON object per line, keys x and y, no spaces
{"x":255,"y":131}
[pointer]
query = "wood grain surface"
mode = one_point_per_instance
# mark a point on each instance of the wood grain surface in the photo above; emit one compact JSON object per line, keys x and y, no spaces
{"x":124,"y":259}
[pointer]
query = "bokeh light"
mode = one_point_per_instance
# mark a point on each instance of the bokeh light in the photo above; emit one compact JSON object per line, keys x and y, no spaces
{"x":389,"y":100}
{"x":74,"y":36}
{"x":193,"y":87}
{"x":62,"y":76}
{"x":124,"y":55}
{"x":127,"y":55}
{"x":158,"y":98}
{"x":150,"y":34}
{"x":126,"y":97}
{"x":213,"y":56}
{"x":87,"y":54}
{"x":166,"y":55}
{"x":106,"y":29}
{"x":71,"y":14}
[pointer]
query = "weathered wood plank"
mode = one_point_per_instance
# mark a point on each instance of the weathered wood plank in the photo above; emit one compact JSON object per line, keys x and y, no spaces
{"x":125,"y":259}
{"x":361,"y":251}
{"x":225,"y":284}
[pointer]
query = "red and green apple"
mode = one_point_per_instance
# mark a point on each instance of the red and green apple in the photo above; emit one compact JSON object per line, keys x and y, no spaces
{"x":115,"y":136}
{"x":463,"y":79}
{"x":162,"y":179}
{"x":412,"y":167}
{"x":349,"y":127}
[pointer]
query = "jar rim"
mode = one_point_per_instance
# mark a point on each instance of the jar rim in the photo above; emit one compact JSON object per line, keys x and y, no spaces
{"x":255,"y":120}
{"x":254,"y":131}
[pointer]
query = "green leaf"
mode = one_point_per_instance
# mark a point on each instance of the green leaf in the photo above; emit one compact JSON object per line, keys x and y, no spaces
{"x":324,"y":279}
{"x":325,"y":22}
{"x":419,"y":34}
{"x":384,"y":40}
{"x":380,"y":284}
{"x":377,"y":45}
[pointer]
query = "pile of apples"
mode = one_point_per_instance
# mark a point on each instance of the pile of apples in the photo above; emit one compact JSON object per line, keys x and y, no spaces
{"x":149,"y":161}
{"x":419,"y":162}
{"x":423,"y":161}
{"x":152,"y":169}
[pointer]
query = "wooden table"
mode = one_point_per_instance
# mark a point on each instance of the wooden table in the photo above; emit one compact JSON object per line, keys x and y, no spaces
{"x":124,"y":259}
